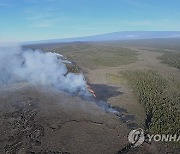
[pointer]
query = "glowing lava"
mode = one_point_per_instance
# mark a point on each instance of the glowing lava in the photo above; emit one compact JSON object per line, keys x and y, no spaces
{"x":91,"y":90}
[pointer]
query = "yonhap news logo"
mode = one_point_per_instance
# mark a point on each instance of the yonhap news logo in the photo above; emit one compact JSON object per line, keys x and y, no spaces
{"x":137,"y":137}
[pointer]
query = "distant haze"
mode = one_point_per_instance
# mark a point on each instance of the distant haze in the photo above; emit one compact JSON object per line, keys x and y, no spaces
{"x":124,"y":35}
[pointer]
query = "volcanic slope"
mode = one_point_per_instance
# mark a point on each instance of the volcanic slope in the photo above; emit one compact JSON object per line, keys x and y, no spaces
{"x":143,"y":56}
{"x":104,"y":64}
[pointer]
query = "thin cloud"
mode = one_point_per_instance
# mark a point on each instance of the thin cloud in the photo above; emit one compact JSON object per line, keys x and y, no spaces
{"x":41,"y":18}
{"x":4,"y":4}
{"x":135,"y":3}
{"x":41,"y":25}
{"x":162,"y":24}
{"x":138,"y":22}
{"x":43,"y":1}
{"x":45,"y":23}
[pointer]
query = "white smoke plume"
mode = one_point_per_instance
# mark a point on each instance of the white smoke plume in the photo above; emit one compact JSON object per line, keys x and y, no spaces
{"x":38,"y":67}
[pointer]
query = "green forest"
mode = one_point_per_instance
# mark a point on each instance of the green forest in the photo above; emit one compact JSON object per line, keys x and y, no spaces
{"x":161,"y":99}
{"x":171,"y":58}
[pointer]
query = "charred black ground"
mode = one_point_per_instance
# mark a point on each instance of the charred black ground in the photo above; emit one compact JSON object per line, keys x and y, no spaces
{"x":103,"y":93}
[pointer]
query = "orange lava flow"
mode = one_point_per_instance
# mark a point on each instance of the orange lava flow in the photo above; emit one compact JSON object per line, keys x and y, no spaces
{"x":90,"y":90}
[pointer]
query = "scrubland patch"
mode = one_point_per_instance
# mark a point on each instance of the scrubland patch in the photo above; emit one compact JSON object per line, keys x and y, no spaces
{"x":171,"y":59}
{"x":96,"y":56}
{"x":160,"y":98}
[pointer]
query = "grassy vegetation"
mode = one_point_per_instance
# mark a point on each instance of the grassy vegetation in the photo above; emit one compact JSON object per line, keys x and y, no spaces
{"x":158,"y":44}
{"x":161,"y":99}
{"x":94,"y":56}
{"x":72,"y":68}
{"x":113,"y":78}
{"x":171,"y":58}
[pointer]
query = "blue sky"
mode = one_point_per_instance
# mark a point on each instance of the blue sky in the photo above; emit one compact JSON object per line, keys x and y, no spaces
{"x":27,"y":20}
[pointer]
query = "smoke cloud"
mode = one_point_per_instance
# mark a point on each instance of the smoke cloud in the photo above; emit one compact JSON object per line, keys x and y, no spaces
{"x":38,"y":67}
{"x":44,"y":68}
